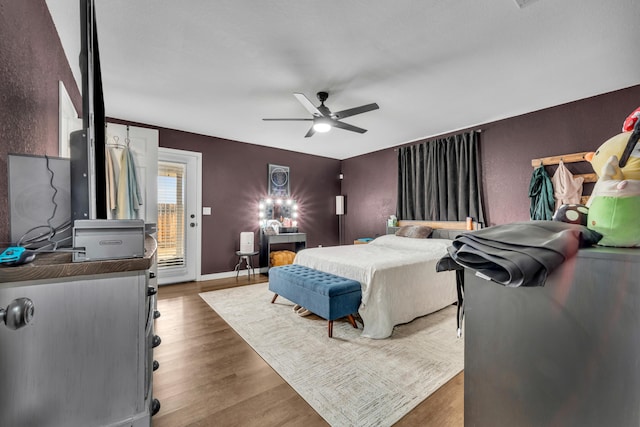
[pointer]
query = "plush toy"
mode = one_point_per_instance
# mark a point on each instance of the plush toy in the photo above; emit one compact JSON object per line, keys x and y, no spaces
{"x":616,"y":147}
{"x":631,"y":121}
{"x":615,"y":201}
{"x":614,"y":208}
{"x":572,"y":213}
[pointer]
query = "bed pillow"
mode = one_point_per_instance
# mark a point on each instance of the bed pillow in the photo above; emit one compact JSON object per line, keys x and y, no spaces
{"x":415,"y":231}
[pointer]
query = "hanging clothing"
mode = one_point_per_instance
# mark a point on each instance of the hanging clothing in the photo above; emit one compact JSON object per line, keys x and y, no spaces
{"x":567,"y":189}
{"x":113,"y":172}
{"x":129,"y":197}
{"x":541,"y":194}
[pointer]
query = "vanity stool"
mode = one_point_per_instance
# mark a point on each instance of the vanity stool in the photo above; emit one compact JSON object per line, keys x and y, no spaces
{"x":246,"y":257}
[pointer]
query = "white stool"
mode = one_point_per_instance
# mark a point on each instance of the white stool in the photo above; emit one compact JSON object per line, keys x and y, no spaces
{"x":246,"y":257}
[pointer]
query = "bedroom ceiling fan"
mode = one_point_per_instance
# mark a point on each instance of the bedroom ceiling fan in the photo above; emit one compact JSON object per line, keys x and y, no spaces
{"x":323,"y":119}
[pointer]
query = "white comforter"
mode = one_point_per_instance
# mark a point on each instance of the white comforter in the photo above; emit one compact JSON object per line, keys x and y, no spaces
{"x":398,"y":277}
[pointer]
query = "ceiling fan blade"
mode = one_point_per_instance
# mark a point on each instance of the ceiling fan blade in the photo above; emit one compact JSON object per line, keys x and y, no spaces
{"x":347,"y":126}
{"x":311,"y":132}
{"x":357,"y":110}
{"x":308,"y":105}
{"x":279,"y":120}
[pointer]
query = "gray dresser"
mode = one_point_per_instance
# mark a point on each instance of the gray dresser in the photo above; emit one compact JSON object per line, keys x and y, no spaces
{"x":84,"y":357}
{"x":565,"y":354}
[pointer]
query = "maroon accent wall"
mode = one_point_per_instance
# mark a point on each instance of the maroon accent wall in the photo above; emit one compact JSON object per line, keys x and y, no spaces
{"x":234,"y":179}
{"x":506,"y":150}
{"x":32,"y":62}
{"x":235,"y":173}
{"x":508,"y":146}
{"x":370,"y":187}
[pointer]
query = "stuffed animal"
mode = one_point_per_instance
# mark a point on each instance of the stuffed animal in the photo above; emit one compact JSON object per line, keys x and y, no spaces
{"x":615,"y":147}
{"x":631,"y":121}
{"x":572,"y":214}
{"x":614,"y":208}
{"x":615,"y":201}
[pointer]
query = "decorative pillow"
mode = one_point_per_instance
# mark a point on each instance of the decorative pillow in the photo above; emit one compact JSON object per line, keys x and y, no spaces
{"x":415,"y":231}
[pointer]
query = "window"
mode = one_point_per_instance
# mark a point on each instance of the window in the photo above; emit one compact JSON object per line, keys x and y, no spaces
{"x":171,"y":216}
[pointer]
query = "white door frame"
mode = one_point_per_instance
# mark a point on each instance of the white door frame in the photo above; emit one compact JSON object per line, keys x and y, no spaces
{"x":193,"y":191}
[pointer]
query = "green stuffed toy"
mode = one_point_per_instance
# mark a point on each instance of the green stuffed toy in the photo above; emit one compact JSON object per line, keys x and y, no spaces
{"x":614,"y":204}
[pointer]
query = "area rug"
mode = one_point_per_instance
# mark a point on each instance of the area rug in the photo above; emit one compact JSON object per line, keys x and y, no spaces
{"x":347,"y":379}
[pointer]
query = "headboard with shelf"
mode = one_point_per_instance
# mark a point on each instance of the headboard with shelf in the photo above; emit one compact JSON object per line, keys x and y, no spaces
{"x":442,"y":229}
{"x":568,"y":158}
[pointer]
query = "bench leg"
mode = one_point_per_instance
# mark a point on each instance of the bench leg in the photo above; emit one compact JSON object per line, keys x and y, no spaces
{"x":330,"y":328}
{"x":352,"y":320}
{"x":274,"y":298}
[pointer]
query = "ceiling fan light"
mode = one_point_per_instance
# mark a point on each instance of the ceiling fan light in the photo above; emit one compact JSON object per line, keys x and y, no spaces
{"x":321,"y":126}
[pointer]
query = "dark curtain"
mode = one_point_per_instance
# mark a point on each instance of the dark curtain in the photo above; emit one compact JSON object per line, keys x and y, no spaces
{"x":441,"y":180}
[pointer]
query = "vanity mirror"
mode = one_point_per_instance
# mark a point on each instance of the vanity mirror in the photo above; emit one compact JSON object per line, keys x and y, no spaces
{"x":281,"y":214}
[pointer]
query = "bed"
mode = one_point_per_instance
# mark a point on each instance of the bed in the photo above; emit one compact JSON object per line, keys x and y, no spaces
{"x":398,"y":276}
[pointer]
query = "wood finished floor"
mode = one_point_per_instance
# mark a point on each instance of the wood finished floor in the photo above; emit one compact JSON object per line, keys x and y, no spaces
{"x":209,"y":376}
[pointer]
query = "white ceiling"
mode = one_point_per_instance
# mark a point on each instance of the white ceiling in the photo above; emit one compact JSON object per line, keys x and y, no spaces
{"x":217,"y":67}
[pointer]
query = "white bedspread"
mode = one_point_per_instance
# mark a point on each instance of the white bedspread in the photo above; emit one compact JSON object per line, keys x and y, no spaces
{"x":398,"y":277}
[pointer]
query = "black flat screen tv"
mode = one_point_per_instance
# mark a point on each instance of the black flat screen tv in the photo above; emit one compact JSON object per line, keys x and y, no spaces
{"x":87,"y":146}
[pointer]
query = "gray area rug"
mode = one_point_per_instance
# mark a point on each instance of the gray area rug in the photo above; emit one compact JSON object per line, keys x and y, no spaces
{"x":347,"y":379}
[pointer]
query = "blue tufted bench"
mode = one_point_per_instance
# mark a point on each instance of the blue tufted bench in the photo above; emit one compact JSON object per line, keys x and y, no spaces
{"x":327,"y":295}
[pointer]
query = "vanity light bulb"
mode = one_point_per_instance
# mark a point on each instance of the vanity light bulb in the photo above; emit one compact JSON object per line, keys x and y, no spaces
{"x":295,"y":215}
{"x":289,"y":201}
{"x":261,"y":206}
{"x":261,"y":214}
{"x":269,"y":201}
{"x":295,"y":207}
{"x":279,"y":201}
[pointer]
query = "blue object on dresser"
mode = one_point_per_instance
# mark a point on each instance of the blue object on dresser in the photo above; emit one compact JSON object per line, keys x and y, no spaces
{"x":327,"y":295}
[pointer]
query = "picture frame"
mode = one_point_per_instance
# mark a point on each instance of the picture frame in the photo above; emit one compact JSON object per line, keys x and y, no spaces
{"x":278,"y":179}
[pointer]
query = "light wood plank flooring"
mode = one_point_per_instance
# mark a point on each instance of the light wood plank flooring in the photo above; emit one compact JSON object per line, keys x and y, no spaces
{"x":209,"y":376}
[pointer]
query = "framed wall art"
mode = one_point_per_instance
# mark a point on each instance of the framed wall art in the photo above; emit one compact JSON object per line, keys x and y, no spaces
{"x":278,"y":181}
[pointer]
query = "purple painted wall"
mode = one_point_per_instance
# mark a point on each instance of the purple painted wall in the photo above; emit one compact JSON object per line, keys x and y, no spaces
{"x":32,"y":62}
{"x":235,"y":173}
{"x":508,"y":146}
{"x":234,"y":179}
{"x":370,"y":188}
{"x":506,"y":150}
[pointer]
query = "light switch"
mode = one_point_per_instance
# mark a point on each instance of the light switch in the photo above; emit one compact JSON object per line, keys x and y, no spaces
{"x":206,"y":210}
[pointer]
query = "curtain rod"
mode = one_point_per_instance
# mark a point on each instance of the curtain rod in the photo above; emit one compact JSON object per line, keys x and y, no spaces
{"x":430,"y":138}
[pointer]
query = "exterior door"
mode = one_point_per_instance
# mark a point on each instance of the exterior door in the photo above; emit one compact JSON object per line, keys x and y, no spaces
{"x":179,"y":215}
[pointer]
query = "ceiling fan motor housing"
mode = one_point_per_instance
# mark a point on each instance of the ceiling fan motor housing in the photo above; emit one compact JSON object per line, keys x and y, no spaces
{"x":322,"y":96}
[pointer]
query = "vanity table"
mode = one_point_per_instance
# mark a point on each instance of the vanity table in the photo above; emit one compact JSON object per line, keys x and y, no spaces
{"x":284,"y":214}
{"x":298,"y":239}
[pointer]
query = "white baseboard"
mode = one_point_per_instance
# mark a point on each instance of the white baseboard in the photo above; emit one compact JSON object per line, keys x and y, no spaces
{"x":227,"y":274}
{"x":214,"y":276}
